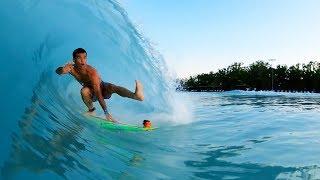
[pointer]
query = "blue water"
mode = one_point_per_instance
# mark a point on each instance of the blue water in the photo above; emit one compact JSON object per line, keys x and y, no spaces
{"x":229,"y":135}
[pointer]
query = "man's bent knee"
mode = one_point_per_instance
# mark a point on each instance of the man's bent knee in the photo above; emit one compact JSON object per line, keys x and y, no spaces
{"x":85,"y":91}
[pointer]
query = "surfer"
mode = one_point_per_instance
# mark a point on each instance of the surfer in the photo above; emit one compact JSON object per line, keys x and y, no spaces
{"x":94,"y":89}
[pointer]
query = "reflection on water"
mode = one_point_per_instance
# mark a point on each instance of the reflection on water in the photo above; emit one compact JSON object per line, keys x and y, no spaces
{"x":278,"y":133}
{"x":212,"y":167}
{"x":232,"y":137}
{"x":260,"y":101}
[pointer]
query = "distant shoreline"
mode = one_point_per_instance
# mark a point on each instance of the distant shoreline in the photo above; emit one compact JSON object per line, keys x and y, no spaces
{"x":258,"y":76}
{"x":276,"y":91}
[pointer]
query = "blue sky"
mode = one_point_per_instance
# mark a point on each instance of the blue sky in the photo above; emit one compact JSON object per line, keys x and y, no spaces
{"x":198,"y":36}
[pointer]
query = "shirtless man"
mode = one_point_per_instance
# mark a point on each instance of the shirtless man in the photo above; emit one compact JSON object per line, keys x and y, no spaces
{"x":93,"y":87}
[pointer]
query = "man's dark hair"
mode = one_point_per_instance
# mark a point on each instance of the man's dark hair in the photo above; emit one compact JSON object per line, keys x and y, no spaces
{"x":145,"y":121}
{"x":77,"y":51}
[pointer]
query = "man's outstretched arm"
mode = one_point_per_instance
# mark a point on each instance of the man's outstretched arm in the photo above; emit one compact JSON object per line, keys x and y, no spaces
{"x":65,"y":69}
{"x":96,"y":82}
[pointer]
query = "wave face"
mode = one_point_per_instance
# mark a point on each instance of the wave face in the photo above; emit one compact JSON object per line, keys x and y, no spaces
{"x":43,"y":134}
{"x":234,"y":135}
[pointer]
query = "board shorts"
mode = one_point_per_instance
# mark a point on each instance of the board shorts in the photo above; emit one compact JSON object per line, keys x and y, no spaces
{"x":106,"y":90}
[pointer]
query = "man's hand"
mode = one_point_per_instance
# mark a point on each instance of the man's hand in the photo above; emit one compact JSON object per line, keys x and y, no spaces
{"x":110,"y":118}
{"x":65,"y":69}
{"x":68,"y":67}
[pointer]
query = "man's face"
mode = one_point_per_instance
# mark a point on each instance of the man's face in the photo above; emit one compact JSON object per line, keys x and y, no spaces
{"x":80,"y":59}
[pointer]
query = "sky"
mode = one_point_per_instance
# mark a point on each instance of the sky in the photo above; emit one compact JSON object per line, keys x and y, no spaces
{"x":199,"y":36}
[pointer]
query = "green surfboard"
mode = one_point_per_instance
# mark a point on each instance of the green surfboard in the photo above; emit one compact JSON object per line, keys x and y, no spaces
{"x":103,"y":123}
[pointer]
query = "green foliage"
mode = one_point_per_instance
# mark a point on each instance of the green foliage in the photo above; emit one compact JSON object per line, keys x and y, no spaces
{"x":258,"y":76}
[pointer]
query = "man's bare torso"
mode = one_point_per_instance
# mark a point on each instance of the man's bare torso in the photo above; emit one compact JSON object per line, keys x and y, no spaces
{"x":84,"y":74}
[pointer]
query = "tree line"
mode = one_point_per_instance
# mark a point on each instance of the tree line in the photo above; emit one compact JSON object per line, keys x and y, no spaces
{"x":259,"y":75}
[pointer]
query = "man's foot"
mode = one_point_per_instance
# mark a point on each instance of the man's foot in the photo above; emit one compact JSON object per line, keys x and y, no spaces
{"x":90,"y":113}
{"x":139,"y":91}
